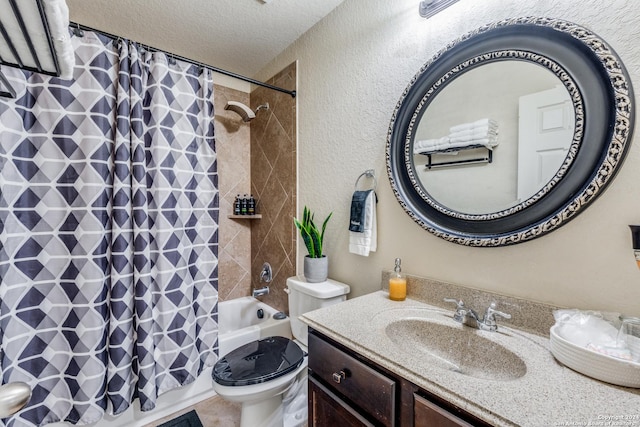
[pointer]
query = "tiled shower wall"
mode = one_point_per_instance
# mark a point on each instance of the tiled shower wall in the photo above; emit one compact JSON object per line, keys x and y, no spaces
{"x":273,"y":183}
{"x":234,"y":166}
{"x":257,"y":158}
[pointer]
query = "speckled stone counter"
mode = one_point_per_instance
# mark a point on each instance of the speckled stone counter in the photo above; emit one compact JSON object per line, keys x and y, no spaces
{"x":548,"y":394}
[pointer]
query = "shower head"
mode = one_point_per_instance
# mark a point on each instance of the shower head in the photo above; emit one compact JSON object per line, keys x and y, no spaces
{"x":243,"y":111}
{"x":238,"y":107}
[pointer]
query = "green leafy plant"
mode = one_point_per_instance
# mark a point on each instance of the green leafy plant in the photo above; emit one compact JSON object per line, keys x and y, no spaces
{"x":312,"y":236}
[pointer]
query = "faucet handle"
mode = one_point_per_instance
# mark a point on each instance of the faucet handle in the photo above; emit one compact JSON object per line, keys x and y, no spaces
{"x":457,"y":302}
{"x":490,"y":316}
{"x":461,"y":311}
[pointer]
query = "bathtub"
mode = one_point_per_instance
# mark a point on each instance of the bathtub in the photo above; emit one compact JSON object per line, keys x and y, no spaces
{"x":244,"y":313}
{"x":239,"y":323}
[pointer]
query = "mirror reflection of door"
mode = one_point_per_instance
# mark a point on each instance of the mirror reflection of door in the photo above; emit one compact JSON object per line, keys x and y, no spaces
{"x":546,"y":126}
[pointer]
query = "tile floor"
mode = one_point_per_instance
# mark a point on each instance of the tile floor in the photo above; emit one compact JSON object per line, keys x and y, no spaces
{"x":214,"y":412}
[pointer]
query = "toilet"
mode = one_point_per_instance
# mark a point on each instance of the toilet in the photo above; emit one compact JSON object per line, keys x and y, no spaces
{"x":259,"y":373}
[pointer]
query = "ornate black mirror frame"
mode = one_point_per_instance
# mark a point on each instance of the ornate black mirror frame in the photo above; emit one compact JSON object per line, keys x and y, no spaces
{"x":601,"y":92}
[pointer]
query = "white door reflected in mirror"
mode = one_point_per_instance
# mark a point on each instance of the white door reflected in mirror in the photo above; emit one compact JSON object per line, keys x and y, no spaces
{"x":546,"y":129}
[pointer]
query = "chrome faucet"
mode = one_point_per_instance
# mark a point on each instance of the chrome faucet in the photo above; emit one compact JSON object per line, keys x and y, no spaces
{"x":469,"y":317}
{"x":266,"y":275}
{"x":260,"y":292}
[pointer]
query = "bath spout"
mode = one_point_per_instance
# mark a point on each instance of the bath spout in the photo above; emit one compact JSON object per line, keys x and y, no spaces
{"x":260,"y":292}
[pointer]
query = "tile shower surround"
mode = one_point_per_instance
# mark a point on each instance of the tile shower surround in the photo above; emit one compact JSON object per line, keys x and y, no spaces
{"x":273,"y":183}
{"x":257,"y":158}
{"x":233,"y":148}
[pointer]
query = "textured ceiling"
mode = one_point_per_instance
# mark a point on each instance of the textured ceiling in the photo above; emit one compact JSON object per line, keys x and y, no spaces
{"x":241,"y":36}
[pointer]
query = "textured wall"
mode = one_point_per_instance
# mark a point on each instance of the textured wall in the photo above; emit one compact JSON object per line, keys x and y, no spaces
{"x":353,"y":67}
{"x":273,"y":183}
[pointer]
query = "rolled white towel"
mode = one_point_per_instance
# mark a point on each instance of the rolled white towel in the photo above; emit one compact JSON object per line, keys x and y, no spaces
{"x":481,"y":132}
{"x":487,"y":141}
{"x":430,"y":144}
{"x":478,"y":123}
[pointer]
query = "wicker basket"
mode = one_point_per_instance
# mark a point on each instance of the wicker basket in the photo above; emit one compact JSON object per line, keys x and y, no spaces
{"x":595,"y":365}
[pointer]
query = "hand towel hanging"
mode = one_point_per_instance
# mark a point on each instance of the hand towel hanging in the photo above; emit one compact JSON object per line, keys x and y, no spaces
{"x":363,"y":237}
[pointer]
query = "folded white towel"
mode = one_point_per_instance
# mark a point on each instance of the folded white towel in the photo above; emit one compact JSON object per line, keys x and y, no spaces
{"x":487,"y":142}
{"x":480,"y":132}
{"x":453,"y":145}
{"x":480,"y":137}
{"x":430,"y":144}
{"x":57,"y":14}
{"x":367,"y":241}
{"x":477,"y":123}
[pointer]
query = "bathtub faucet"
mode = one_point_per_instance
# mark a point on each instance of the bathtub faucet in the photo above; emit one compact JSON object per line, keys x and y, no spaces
{"x":260,"y":292}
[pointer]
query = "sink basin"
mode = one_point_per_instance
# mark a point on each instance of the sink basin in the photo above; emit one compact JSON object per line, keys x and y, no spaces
{"x":456,"y":348}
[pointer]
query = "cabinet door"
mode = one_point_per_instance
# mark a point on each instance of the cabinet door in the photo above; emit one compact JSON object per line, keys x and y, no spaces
{"x":328,"y":410}
{"x":365,"y":388}
{"x":428,"y":414}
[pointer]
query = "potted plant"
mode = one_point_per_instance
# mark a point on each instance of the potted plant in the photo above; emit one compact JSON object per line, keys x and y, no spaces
{"x":316,"y":265}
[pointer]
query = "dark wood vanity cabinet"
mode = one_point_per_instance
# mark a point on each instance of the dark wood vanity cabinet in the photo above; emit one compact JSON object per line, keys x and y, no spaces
{"x":428,"y":414}
{"x":346,"y":389}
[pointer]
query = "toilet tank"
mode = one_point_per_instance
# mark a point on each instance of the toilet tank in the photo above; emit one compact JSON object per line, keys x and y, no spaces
{"x":305,"y":297}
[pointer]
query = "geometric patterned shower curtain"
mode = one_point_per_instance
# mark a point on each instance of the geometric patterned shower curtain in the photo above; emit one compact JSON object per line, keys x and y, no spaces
{"x":108,"y":232}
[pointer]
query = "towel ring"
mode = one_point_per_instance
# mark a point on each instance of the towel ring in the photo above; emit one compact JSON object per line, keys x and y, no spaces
{"x":369,"y":173}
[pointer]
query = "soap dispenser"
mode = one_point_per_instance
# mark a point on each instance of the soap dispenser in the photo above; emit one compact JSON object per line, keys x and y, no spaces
{"x":397,"y":284}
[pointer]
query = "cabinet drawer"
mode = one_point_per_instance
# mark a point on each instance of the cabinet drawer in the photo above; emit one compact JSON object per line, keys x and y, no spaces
{"x":367,"y":389}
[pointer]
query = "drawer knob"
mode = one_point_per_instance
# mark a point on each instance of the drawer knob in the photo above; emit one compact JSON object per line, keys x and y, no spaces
{"x":339,"y":376}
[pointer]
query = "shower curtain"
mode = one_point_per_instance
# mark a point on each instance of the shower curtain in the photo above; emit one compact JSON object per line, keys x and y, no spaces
{"x":108,"y":232}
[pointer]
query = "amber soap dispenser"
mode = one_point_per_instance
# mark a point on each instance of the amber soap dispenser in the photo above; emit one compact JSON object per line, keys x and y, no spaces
{"x":397,"y":283}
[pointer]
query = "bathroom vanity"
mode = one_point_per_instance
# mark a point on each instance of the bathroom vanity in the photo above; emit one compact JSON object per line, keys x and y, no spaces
{"x":347,"y":389}
{"x":373,"y":361}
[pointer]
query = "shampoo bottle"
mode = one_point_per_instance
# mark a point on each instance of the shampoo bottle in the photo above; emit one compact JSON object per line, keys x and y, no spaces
{"x":236,"y":206}
{"x":251,"y":206}
{"x":397,"y":284}
{"x":243,"y":205}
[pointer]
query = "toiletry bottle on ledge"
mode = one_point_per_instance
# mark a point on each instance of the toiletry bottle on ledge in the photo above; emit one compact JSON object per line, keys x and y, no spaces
{"x":397,"y":284}
{"x":236,"y":206}
{"x":251,"y":206}
{"x":243,"y":205}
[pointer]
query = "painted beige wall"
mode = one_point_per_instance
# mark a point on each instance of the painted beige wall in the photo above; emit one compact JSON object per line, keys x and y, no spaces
{"x":353,"y":67}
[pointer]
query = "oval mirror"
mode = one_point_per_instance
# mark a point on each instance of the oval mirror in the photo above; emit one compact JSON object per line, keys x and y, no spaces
{"x":510,"y":131}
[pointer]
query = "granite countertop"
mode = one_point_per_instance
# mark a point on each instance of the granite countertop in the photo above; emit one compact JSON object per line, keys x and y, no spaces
{"x":548,"y":394}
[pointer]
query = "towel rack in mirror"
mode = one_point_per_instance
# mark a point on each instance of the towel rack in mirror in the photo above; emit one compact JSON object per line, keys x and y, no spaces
{"x":488,"y":158}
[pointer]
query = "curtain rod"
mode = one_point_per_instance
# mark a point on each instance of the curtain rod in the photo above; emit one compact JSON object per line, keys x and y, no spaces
{"x":75,"y":26}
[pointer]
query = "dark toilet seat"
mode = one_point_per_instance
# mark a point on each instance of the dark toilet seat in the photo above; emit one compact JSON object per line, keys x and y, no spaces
{"x":258,"y":362}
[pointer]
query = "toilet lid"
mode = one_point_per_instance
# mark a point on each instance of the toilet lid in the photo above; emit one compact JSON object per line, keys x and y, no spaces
{"x":258,"y":361}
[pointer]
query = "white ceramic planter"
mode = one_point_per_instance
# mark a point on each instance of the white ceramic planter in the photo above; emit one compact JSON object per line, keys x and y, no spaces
{"x":316,"y":270}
